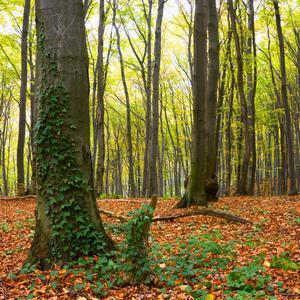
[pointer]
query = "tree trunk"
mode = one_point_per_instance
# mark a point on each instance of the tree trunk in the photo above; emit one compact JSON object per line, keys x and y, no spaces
{"x":131,"y":184}
{"x":284,"y":97}
{"x":22,"y":104}
{"x":33,"y":114}
{"x":100,"y":99}
{"x":242,"y":183}
{"x":148,"y":102}
{"x":229,"y":139}
{"x":155,"y":102}
{"x":251,"y":83}
{"x":161,"y":156}
{"x":5,"y":115}
{"x":211,"y":183}
{"x":68,"y":224}
{"x":194,"y":193}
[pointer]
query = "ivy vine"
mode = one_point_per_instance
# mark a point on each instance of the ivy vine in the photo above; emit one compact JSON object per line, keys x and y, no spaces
{"x":61,"y":183}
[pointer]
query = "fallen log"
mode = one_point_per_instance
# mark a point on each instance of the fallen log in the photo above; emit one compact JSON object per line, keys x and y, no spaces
{"x":201,"y":211}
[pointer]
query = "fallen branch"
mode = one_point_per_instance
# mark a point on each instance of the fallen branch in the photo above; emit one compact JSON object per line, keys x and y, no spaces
{"x":125,"y":200}
{"x":202,"y":211}
{"x":113,"y":215}
{"x":18,"y":198}
{"x":152,"y":203}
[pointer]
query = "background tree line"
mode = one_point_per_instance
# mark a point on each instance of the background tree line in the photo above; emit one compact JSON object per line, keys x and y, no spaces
{"x":140,"y":65}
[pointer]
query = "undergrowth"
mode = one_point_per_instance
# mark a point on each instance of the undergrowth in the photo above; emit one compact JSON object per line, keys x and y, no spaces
{"x":190,"y":264}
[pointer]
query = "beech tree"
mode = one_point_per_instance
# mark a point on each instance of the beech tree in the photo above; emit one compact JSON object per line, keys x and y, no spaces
{"x":131,"y":183}
{"x":211,"y":183}
{"x":194,"y":193}
{"x":22,"y":104}
{"x":284,"y":99}
{"x":67,"y":219}
{"x":153,"y":187}
{"x":99,"y":128}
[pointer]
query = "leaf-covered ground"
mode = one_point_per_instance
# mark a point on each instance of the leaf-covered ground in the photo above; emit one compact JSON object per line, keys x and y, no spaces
{"x":196,"y":257}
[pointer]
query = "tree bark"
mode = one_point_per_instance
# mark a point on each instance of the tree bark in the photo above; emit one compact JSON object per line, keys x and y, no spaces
{"x":155,"y":102}
{"x":131,"y":184}
{"x":66,"y":206}
{"x":242,"y":183}
{"x":194,"y":193}
{"x":211,"y":183}
{"x":22,"y":104}
{"x":251,"y":83}
{"x":100,"y":99}
{"x":5,"y":107}
{"x":33,"y":115}
{"x":284,"y":97}
{"x":148,"y":102}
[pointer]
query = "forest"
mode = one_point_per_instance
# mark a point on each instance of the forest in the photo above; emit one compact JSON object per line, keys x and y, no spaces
{"x":149,"y":149}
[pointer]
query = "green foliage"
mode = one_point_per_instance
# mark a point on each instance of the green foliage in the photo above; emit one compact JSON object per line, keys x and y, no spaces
{"x":196,"y":258}
{"x":284,"y":262}
{"x":135,"y":254}
{"x":5,"y":227}
{"x":110,"y":196}
{"x":297,"y":221}
{"x":248,"y":280}
{"x":115,"y":229}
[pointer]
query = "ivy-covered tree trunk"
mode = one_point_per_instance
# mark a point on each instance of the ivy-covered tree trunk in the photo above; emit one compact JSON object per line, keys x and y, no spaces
{"x":195,"y":189}
{"x":68,"y":224}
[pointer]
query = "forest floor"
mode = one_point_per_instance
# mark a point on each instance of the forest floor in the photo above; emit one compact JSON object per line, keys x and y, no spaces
{"x":198,"y":257}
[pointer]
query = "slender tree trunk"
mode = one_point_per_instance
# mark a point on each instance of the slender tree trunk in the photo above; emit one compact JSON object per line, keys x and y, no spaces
{"x":22,"y":104}
{"x":251,"y":83}
{"x":229,"y":139}
{"x":284,"y":97}
{"x":282,"y":165}
{"x":221,"y":93}
{"x":161,"y":157}
{"x":107,"y":156}
{"x":86,"y":6}
{"x":155,"y":102}
{"x":100,"y":101}
{"x":33,"y":116}
{"x":211,"y":183}
{"x":131,"y":184}
{"x":148,"y":102}
{"x":242,"y":183}
{"x":5,"y":111}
